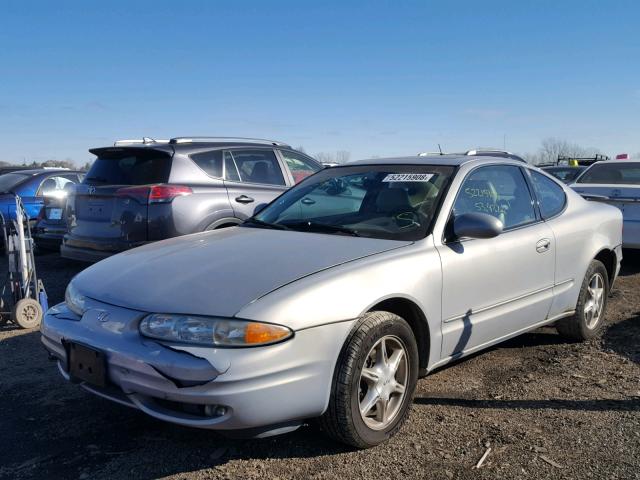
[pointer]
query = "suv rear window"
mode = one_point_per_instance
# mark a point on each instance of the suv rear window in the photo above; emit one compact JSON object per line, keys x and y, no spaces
{"x":613,"y":173}
{"x":129,"y":167}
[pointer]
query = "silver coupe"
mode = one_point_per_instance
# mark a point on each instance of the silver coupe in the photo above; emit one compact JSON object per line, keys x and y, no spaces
{"x":331,"y":302}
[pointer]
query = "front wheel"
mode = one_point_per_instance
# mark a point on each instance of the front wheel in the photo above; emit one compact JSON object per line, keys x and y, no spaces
{"x":374,"y":381}
{"x":588,"y":320}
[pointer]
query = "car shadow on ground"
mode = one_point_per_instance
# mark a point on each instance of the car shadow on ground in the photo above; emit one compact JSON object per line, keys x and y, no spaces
{"x":550,"y":404}
{"x":630,"y":262}
{"x":622,"y":338}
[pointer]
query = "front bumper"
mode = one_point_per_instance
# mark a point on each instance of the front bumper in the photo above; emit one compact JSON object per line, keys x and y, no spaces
{"x":256,"y":387}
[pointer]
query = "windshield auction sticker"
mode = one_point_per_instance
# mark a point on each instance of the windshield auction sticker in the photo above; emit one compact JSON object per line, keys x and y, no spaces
{"x":408,"y":177}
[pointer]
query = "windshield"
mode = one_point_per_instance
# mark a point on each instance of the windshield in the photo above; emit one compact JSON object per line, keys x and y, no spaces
{"x":613,"y":173}
{"x":10,"y":180}
{"x":392,"y":202}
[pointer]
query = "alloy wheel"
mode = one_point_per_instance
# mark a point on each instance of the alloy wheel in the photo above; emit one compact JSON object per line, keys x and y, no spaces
{"x":383,"y":382}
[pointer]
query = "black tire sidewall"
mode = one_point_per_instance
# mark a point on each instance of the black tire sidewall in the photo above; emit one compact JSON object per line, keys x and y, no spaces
{"x":397,"y":327}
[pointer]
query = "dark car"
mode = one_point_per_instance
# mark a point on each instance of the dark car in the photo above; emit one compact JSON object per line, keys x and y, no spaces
{"x":138,"y":192}
{"x":566,"y":174}
{"x":33,"y":186}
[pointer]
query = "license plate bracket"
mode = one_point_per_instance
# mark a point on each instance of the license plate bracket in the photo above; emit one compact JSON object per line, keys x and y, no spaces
{"x":87,"y":364}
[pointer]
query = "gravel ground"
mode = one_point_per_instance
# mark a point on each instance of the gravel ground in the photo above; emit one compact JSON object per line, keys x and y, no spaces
{"x":545,"y":408}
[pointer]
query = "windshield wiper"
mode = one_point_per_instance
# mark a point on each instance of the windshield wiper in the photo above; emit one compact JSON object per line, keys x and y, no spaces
{"x":323,"y":228}
{"x":260,"y":223}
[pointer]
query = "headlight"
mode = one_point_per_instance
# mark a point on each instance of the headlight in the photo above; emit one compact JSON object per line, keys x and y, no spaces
{"x":222,"y":332}
{"x":74,"y":300}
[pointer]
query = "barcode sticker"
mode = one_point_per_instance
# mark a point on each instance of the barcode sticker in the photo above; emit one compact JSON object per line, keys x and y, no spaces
{"x":408,"y":177}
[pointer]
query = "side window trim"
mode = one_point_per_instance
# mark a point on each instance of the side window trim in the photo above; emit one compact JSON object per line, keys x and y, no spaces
{"x":286,"y":173}
{"x":526,"y":173}
{"x":224,"y":167}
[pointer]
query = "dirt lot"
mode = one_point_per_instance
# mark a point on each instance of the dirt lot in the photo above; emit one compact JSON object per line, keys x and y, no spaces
{"x":547,"y":409}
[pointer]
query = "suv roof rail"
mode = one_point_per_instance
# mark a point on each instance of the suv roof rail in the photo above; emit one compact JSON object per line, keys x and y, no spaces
{"x":143,"y":141}
{"x":227,"y":139}
{"x":476,"y":151}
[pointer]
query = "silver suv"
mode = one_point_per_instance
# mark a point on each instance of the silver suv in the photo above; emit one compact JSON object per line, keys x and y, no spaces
{"x":140,"y":191}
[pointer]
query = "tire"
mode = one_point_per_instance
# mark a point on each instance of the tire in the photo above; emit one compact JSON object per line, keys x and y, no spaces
{"x":588,"y":320}
{"x":27,"y":313}
{"x":343,"y":420}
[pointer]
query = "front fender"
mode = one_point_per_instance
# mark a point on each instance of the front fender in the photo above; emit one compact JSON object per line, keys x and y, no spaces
{"x":347,"y":291}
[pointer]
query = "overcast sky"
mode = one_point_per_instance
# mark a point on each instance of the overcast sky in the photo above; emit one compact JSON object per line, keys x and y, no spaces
{"x":373,"y":78}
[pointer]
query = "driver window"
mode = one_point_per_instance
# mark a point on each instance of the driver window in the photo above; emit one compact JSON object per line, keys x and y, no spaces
{"x":499,"y":190}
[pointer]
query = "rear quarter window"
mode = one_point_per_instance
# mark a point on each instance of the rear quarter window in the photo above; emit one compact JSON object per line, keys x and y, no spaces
{"x":551,"y":196}
{"x":210,"y":162}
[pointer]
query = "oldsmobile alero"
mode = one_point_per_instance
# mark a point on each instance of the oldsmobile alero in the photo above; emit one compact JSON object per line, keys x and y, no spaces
{"x":333,"y":300}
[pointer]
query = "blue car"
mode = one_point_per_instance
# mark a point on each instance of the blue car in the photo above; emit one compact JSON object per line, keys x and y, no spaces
{"x":33,"y":186}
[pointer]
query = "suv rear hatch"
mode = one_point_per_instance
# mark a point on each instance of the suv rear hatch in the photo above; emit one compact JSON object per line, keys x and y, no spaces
{"x":109,"y":210}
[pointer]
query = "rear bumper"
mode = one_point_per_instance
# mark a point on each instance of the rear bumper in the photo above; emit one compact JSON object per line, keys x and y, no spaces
{"x":48,"y":235}
{"x":83,"y":254}
{"x":93,"y":250}
{"x":257,"y":388}
{"x":631,"y":234}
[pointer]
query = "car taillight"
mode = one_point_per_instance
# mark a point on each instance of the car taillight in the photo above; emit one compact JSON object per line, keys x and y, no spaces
{"x":166,"y":193}
{"x":154,"y":193}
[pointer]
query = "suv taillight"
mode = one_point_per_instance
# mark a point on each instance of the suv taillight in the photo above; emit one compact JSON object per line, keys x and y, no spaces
{"x":166,"y":193}
{"x":154,"y":193}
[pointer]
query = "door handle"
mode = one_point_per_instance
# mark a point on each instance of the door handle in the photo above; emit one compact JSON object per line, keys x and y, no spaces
{"x":308,"y":201}
{"x":244,"y":199}
{"x":543,"y":245}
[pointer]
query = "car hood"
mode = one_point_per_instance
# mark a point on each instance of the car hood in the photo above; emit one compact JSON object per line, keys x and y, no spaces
{"x":218,"y":272}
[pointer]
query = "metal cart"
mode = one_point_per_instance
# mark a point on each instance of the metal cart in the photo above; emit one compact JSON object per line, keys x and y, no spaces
{"x":23,"y":298}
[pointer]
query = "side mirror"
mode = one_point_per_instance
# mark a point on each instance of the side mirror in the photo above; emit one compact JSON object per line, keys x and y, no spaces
{"x":476,"y":225}
{"x":259,"y":208}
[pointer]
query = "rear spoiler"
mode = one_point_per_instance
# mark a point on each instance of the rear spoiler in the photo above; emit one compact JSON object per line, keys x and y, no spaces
{"x":604,"y":198}
{"x":165,"y":149}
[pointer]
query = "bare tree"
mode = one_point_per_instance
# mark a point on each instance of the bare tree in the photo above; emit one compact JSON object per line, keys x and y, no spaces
{"x":552,"y":147}
{"x":300,"y":148}
{"x":340,"y":156}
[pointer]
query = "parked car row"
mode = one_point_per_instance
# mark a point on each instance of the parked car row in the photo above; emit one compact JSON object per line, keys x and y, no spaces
{"x":332,"y":300}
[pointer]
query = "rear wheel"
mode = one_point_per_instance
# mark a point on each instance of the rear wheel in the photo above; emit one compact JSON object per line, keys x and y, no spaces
{"x":588,"y":320}
{"x":374,"y":381}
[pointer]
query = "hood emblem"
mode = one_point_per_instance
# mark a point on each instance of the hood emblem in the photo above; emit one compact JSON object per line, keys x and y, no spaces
{"x":103,"y":316}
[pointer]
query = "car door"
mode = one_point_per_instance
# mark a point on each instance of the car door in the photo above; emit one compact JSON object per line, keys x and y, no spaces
{"x":498,"y":286}
{"x":252,"y":176}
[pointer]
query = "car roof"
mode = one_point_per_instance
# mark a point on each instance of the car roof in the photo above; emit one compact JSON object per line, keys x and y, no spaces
{"x":607,"y":162}
{"x":564,"y":167}
{"x":36,"y":171}
{"x":188,"y":146}
{"x":451,"y":160}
